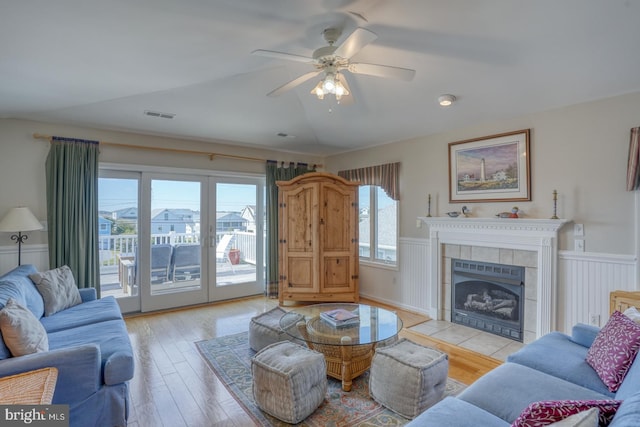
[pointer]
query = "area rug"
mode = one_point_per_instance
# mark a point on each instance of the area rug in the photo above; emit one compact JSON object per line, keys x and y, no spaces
{"x":230,"y":359}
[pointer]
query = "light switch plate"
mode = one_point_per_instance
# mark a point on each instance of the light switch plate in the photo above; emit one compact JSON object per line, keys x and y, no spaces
{"x":579,"y":245}
{"x":578,"y":230}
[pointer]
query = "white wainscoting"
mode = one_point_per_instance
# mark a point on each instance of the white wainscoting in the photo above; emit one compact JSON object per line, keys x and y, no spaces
{"x":586,"y":279}
{"x":584,"y":282}
{"x":37,"y":255}
{"x":414,"y":275}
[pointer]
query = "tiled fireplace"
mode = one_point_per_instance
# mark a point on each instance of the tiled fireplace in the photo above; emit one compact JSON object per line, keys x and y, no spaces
{"x":529,"y":243}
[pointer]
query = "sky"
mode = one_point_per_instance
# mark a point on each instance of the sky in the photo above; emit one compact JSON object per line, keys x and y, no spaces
{"x":497,"y":157}
{"x":117,"y":193}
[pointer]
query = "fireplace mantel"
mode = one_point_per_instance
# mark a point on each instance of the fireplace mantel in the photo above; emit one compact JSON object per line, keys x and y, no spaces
{"x":539,"y":235}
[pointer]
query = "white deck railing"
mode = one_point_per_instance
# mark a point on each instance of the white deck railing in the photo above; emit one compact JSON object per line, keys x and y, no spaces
{"x":115,"y":247}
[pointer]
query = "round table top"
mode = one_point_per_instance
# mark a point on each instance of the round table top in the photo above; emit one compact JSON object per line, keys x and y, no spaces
{"x":373,"y":324}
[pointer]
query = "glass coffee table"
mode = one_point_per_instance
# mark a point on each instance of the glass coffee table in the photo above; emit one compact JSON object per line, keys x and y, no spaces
{"x":347,"y":349}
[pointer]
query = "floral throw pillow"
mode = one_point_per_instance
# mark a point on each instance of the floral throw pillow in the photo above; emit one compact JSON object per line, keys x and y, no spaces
{"x":614,"y":350}
{"x":540,"y":414}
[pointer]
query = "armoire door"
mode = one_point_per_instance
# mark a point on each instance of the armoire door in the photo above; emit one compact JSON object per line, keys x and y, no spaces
{"x":298,"y":239}
{"x":338,"y":263}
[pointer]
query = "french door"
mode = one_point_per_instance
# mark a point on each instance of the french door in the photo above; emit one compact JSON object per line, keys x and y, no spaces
{"x":236,"y":238}
{"x":170,"y":240}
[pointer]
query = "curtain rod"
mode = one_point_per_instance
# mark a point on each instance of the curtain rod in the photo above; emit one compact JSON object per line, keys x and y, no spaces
{"x":211,"y":155}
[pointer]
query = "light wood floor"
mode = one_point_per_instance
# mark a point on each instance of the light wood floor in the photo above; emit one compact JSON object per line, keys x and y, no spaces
{"x":173,"y":385}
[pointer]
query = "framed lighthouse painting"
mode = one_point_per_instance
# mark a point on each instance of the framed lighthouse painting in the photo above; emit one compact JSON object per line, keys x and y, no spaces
{"x":494,"y":168}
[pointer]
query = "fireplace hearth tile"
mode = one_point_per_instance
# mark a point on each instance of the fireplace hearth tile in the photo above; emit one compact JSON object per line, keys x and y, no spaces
{"x":481,"y":342}
{"x":486,"y":343}
{"x":456,"y":334}
{"x":507,"y":350}
{"x":431,"y":327}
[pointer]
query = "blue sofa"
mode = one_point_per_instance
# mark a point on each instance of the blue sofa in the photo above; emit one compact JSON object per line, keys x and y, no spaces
{"x":88,"y":344}
{"x":551,"y":368}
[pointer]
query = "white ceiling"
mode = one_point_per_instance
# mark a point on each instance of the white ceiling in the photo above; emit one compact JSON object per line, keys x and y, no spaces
{"x":103,"y":63}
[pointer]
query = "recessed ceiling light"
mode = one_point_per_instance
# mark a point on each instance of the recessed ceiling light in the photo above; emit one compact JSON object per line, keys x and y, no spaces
{"x":285,"y":135}
{"x":446,"y":100}
{"x":159,"y":114}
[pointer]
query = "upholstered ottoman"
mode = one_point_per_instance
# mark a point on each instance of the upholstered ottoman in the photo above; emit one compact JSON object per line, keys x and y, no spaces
{"x":408,"y":378}
{"x":264,"y":329}
{"x":289,"y":380}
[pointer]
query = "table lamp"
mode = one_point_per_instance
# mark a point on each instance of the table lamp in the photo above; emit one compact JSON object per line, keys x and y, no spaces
{"x":18,"y":220}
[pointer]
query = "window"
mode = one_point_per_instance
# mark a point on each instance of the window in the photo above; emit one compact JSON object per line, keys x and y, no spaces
{"x":378,"y":221}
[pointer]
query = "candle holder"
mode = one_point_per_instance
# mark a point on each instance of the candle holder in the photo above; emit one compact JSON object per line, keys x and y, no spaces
{"x":555,"y":205}
{"x":429,"y":206}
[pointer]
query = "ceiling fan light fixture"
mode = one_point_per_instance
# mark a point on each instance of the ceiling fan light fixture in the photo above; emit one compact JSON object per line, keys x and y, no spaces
{"x":340,"y":90}
{"x":318,"y":90}
{"x":446,"y":100}
{"x":330,"y":84}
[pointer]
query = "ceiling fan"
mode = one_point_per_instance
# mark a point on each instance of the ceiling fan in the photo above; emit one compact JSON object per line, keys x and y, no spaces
{"x":332,"y":60}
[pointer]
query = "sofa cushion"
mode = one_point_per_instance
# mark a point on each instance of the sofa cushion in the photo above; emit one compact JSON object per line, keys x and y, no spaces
{"x":558,"y":355}
{"x":452,"y":412}
{"x":95,"y":311}
{"x":21,"y":331}
{"x":511,"y":387}
{"x":614,"y":349}
{"x":17,"y":285}
{"x":113,"y":340}
{"x":628,"y":414}
{"x":58,"y":289}
{"x":543,"y":413}
{"x":629,"y":385}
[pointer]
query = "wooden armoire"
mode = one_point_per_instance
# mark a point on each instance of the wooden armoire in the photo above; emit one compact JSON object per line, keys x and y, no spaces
{"x":318,"y":238}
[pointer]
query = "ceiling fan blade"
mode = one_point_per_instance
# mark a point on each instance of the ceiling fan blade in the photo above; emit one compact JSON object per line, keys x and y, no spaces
{"x":356,"y":41}
{"x":282,"y":55}
{"x":293,"y":83}
{"x":345,"y":99}
{"x":387,"y":71}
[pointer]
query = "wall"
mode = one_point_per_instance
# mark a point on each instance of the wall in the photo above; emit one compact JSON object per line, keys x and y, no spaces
{"x":579,"y":150}
{"x":22,"y":161}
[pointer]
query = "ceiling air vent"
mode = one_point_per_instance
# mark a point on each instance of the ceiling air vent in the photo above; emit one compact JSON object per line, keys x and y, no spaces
{"x":159,"y":114}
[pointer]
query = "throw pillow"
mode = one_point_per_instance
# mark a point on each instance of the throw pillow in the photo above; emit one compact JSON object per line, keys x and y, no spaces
{"x":58,"y":289}
{"x":539,"y":414}
{"x":581,"y":419}
{"x":614,"y":349}
{"x":633,"y":314}
{"x":22,"y":332}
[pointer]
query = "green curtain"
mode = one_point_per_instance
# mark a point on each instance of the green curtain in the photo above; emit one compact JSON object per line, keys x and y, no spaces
{"x":72,"y":208}
{"x":274,"y":173}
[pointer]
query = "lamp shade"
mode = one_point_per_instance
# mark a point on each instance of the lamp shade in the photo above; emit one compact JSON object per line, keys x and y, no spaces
{"x":20,"y":219}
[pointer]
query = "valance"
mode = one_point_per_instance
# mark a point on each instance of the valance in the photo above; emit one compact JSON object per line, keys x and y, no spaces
{"x":385,"y":176}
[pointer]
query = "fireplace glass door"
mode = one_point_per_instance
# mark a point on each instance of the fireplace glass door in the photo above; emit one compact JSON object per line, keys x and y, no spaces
{"x":488,"y":296}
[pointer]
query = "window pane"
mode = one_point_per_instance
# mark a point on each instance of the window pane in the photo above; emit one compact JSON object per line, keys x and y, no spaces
{"x":175,"y":236}
{"x":386,"y":227}
{"x":236,"y":234}
{"x":118,"y":235}
{"x":365,"y":221}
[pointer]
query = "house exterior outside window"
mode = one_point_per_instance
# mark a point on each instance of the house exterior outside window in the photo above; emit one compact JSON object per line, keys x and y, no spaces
{"x":378,"y":226}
